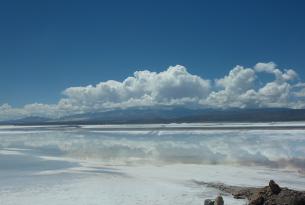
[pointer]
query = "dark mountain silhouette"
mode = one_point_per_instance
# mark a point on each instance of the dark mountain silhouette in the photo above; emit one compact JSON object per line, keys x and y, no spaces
{"x":171,"y":115}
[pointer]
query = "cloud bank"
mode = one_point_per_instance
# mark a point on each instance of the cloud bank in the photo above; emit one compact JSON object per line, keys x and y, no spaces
{"x":242,"y":87}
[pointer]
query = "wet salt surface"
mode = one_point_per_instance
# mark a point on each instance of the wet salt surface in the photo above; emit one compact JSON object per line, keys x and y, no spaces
{"x":81,"y":166}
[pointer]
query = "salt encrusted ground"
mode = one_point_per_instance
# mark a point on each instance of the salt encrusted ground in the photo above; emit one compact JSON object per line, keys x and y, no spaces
{"x":91,"y":166}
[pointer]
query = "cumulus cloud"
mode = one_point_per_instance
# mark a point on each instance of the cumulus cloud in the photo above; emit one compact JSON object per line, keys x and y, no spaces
{"x":271,"y":67}
{"x":171,"y":87}
{"x":36,"y":109}
{"x":240,"y":88}
{"x":232,"y":87}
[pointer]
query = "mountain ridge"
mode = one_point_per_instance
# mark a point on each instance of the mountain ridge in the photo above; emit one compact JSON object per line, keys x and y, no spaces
{"x":166,"y":115}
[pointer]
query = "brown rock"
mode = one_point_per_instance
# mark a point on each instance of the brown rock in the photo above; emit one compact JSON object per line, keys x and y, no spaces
{"x":272,"y":194}
{"x":257,"y":201}
{"x":219,"y":201}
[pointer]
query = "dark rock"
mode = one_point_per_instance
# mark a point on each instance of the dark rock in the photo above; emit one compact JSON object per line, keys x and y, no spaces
{"x":272,"y":194}
{"x":275,"y":188}
{"x":208,"y":202}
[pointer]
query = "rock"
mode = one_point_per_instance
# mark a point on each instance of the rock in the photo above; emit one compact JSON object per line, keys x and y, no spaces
{"x":257,"y":201}
{"x":208,"y":202}
{"x":219,"y":201}
{"x":275,"y":188}
{"x":272,"y":194}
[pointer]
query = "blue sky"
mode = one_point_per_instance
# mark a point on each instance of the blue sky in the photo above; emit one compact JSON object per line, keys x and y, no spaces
{"x":49,"y":46}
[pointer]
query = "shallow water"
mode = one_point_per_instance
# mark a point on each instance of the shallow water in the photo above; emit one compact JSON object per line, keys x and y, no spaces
{"x":89,"y":165}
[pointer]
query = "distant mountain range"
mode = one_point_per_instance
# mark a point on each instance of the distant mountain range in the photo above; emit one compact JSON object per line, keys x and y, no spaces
{"x":169,"y":115}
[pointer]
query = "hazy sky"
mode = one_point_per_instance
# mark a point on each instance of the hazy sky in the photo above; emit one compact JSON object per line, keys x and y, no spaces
{"x":47,"y":47}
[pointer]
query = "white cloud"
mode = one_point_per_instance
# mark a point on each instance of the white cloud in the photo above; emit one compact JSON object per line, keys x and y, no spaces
{"x":271,"y":67}
{"x":238,"y":80}
{"x":232,"y":86}
{"x":144,"y":88}
{"x":274,"y":94}
{"x":176,"y":86}
{"x":35,"y":109}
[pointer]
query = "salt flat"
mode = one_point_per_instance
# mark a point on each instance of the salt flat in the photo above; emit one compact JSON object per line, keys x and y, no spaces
{"x":88,"y":165}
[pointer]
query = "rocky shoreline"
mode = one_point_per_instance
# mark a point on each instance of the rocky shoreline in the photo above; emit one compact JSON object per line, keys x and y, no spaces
{"x":272,"y":194}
